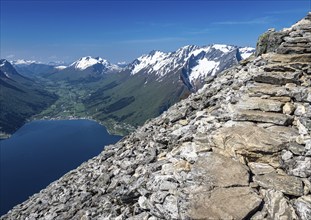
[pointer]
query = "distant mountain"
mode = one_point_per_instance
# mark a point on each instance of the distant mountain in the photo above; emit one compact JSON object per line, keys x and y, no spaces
{"x":246,"y":52}
{"x":123,"y":96}
{"x":24,"y":62}
{"x":194,"y":62}
{"x":85,"y":67}
{"x":153,"y":82}
{"x":97,"y":63}
{"x":20,"y":98}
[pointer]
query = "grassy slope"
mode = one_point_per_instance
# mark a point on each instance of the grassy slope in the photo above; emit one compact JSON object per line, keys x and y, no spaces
{"x":21,"y":98}
{"x":119,"y":101}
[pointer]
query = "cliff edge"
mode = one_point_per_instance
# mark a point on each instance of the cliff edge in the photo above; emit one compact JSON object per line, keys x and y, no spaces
{"x":240,"y":148}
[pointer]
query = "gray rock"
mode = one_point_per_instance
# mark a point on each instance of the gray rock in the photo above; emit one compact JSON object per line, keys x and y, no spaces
{"x":217,"y":170}
{"x":224,"y":203}
{"x":288,"y":108}
{"x":303,"y":207}
{"x":278,"y":206}
{"x":255,"y":103}
{"x":289,"y":185}
{"x":249,"y":141}
{"x":259,"y":116}
{"x":302,"y":167}
{"x":260,"y":168}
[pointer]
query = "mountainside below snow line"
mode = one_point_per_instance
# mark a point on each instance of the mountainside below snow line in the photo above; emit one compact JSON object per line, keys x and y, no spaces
{"x":240,"y":148}
{"x":20,"y":98}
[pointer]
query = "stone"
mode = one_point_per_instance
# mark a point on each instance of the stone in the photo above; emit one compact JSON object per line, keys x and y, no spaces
{"x":301,"y":128}
{"x":278,"y":206}
{"x":302,"y":167}
{"x":260,"y":168}
{"x":296,"y":148}
{"x":255,"y":103}
{"x":300,"y":110}
{"x":277,"y":78}
{"x":170,"y":207}
{"x":268,"y":89}
{"x":259,"y":116}
{"x":141,"y":216}
{"x":303,"y":207}
{"x":183,"y":122}
{"x":288,"y":108}
{"x":182,"y":165}
{"x":284,"y":134}
{"x":224,"y":203}
{"x":188,"y":151}
{"x":254,"y":143}
{"x":287,"y":155}
{"x":218,"y":170}
{"x":143,"y":202}
{"x":289,"y":185}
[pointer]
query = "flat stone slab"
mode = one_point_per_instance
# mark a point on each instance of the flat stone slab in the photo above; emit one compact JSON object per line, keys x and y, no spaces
{"x":288,"y":58}
{"x":260,"y":168}
{"x":218,"y":170}
{"x":255,"y":143}
{"x":277,"y":78}
{"x":259,"y":116}
{"x":289,"y":185}
{"x":255,"y":103}
{"x":268,"y":89}
{"x":224,"y":203}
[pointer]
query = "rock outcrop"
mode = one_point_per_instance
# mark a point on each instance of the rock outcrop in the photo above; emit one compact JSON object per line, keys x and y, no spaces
{"x":240,"y":148}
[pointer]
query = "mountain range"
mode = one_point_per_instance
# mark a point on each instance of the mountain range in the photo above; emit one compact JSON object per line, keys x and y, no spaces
{"x":21,"y":97}
{"x":123,"y":97}
{"x":239,"y":148}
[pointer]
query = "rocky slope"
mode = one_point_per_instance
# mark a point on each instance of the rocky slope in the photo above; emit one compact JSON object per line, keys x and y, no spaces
{"x":240,"y":148}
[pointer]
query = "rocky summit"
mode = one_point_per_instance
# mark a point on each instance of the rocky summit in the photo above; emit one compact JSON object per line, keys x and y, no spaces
{"x":239,"y":148}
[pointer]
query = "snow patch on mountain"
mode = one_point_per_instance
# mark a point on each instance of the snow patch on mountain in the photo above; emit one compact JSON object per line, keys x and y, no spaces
{"x":23,"y":62}
{"x":160,"y":63}
{"x":60,"y":67}
{"x":246,"y":52}
{"x":154,"y":60}
{"x":86,"y":62}
{"x":204,"y":68}
{"x":222,"y":47}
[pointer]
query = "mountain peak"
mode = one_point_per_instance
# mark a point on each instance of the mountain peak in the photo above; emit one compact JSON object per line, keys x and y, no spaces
{"x":88,"y":61}
{"x":23,"y":62}
{"x":194,"y":61}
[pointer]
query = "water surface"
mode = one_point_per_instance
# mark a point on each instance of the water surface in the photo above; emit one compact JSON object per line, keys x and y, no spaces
{"x":42,"y":151}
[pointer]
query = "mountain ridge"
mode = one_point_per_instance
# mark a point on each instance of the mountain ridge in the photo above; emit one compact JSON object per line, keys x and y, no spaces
{"x":239,"y":148}
{"x":21,"y":97}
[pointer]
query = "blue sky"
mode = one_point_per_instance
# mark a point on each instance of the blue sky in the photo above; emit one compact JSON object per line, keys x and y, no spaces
{"x":123,"y":30}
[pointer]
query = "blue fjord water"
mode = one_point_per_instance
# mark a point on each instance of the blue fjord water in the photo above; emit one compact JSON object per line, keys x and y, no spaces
{"x":42,"y":151}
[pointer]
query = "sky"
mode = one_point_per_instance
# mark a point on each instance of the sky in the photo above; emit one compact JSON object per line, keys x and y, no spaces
{"x":122,"y":30}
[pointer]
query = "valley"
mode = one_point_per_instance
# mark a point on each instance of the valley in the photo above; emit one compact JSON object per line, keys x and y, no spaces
{"x":123,"y":98}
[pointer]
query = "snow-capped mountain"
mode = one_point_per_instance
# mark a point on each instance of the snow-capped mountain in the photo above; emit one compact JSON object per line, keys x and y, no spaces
{"x":194,"y":62}
{"x":7,"y":71}
{"x":97,"y":63}
{"x":24,"y":62}
{"x":246,"y":52}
